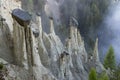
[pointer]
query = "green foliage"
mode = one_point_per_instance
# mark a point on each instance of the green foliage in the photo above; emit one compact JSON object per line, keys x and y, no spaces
{"x":116,"y":74}
{"x":109,"y":61}
{"x":95,"y":13}
{"x":103,"y":76}
{"x":92,"y":74}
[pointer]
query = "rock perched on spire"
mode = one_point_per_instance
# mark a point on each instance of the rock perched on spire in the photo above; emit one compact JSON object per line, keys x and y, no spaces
{"x":22,"y":17}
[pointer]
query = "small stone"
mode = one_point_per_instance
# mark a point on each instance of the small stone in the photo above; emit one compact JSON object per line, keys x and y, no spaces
{"x":66,"y":53}
{"x":36,"y":34}
{"x":38,"y":14}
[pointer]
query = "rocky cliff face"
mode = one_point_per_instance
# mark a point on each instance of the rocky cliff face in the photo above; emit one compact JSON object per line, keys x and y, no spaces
{"x":30,"y":53}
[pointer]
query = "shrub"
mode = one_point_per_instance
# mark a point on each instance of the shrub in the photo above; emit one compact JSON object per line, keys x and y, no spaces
{"x":92,"y":74}
{"x":103,"y":76}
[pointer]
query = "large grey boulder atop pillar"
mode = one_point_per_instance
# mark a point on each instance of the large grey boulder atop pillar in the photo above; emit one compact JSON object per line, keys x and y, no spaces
{"x":21,"y":16}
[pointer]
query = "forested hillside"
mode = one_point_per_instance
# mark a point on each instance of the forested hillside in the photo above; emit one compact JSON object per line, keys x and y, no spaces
{"x":88,"y":13}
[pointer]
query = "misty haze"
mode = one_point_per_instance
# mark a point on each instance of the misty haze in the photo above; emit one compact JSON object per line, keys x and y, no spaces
{"x":109,"y":32}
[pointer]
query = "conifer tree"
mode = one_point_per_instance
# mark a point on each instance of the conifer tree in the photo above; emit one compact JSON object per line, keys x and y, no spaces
{"x":109,"y":61}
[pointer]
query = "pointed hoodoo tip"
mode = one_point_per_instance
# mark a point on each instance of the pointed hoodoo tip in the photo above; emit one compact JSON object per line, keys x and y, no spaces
{"x":21,"y":16}
{"x":48,"y":10}
{"x":96,"y":39}
{"x":96,"y":43}
{"x":73,"y":22}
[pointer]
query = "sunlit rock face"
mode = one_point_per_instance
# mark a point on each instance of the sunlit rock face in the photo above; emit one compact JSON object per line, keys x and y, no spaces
{"x":29,"y":53}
